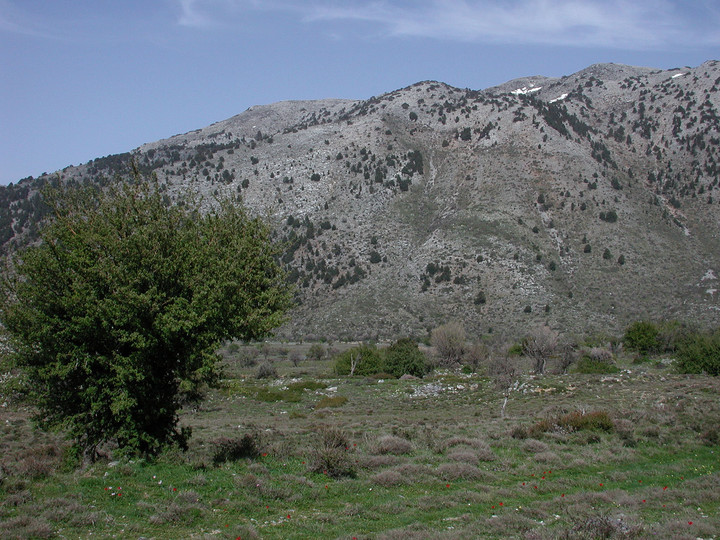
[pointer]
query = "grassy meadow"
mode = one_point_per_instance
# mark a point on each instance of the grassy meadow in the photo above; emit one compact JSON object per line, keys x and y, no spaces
{"x":308,"y":454}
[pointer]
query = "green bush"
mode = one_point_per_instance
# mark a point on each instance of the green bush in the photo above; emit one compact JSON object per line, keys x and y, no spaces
{"x":316,"y":352}
{"x":116,"y":316}
{"x":366,"y":358}
{"x":642,"y":337}
{"x":404,"y":357}
{"x":700,"y":353}
{"x":589,"y":366}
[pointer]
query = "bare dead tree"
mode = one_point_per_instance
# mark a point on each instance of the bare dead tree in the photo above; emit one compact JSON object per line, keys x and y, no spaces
{"x":354,"y":361}
{"x":476,"y":355}
{"x":540,"y":345}
{"x":505,"y":374}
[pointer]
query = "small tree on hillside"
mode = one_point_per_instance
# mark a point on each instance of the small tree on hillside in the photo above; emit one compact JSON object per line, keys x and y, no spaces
{"x":540,"y":345}
{"x":117,"y":314}
{"x":449,"y":342}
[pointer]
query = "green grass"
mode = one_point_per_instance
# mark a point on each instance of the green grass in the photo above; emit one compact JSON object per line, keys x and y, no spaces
{"x":619,"y":456}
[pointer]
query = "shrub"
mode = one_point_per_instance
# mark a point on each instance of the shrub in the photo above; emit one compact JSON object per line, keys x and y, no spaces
{"x":391,"y":444}
{"x":475,"y":356}
{"x":574,"y":421}
{"x":247,"y":446}
{"x":589,"y":366}
{"x":363,"y":360}
{"x":449,"y":342}
{"x":331,"y":402}
{"x":699,"y":353}
{"x":642,"y":337}
{"x":266,"y":371}
{"x":404,"y":357}
{"x":331,"y":453}
{"x":316,"y":352}
{"x":540,"y":345}
{"x":595,"y":361}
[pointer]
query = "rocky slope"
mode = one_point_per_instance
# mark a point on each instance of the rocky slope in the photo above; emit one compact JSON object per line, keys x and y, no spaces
{"x":585,"y":202}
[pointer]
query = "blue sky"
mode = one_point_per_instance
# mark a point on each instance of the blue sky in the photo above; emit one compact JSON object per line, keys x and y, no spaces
{"x":86,"y":78}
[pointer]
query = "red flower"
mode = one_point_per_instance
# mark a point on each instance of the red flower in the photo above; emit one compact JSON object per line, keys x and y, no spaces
{"x":447,"y":485}
{"x":689,"y":522}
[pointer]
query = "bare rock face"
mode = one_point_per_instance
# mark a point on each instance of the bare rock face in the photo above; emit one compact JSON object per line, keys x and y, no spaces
{"x":584,"y":202}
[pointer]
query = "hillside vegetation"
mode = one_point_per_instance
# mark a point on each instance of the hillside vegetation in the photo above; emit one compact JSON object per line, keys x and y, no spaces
{"x":284,"y":448}
{"x":586,"y":202}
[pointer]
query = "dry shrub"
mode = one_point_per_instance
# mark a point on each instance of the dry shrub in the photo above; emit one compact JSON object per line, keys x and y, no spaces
{"x":377,"y":462}
{"x":476,"y":355}
{"x":534,"y":446}
{"x":412,"y":532}
{"x":25,"y":527}
{"x":568,"y":423}
{"x":413,"y":472}
{"x":549,"y":458}
{"x":452,"y":472}
{"x":331,"y":402}
{"x":449,"y":343}
{"x":464,"y":456}
{"x":599,"y":354}
{"x":331,"y":453}
{"x":390,"y":444}
{"x":247,"y":446}
{"x":39,"y":460}
{"x":266,"y":371}
{"x":483,"y":450}
{"x":61,"y":509}
{"x":540,"y":345}
{"x":603,"y":526}
{"x":388,"y":478}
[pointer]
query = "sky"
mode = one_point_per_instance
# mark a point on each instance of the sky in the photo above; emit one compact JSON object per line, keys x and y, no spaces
{"x":81,"y":79}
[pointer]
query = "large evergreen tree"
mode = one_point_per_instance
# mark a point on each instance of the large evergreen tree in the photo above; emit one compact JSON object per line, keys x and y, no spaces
{"x":117,"y":313}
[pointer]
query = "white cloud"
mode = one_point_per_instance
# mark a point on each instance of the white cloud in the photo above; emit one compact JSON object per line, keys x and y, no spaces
{"x":632,"y":24}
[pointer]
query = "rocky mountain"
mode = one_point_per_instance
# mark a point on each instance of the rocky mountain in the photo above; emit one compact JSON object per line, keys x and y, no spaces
{"x":586,"y":201}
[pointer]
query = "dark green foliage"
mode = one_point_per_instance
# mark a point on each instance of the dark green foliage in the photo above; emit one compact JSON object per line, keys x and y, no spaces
{"x":607,"y":255}
{"x":610,"y":216}
{"x":117,"y":314}
{"x":642,"y":337}
{"x":366,"y":360}
{"x":316,"y":352}
{"x":404,"y":357}
{"x":699,"y":353}
{"x":589,"y":365}
{"x":415,"y":163}
{"x":375,"y":257}
{"x":480,"y":299}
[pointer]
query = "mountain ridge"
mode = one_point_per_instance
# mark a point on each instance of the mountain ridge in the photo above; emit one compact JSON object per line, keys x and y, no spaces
{"x":584,"y":204}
